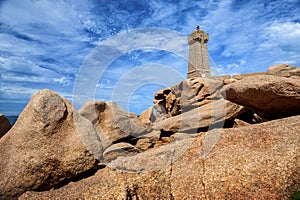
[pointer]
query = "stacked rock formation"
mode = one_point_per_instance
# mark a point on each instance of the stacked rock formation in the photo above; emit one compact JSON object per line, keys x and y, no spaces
{"x":200,"y":140}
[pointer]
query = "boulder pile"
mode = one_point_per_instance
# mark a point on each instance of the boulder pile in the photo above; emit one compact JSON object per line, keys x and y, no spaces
{"x":252,"y":162}
{"x":203,"y":138}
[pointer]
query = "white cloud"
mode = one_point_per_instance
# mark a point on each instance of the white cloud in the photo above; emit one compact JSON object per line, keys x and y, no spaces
{"x":64,"y":81}
{"x":43,"y":43}
{"x":260,"y":32}
{"x":285,"y":35}
{"x":229,"y":68}
{"x":243,"y":62}
{"x":234,"y":30}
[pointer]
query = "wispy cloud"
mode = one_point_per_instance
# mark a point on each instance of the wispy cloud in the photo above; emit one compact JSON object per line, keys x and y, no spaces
{"x":245,"y":30}
{"x":44,"y":43}
{"x":127,"y":52}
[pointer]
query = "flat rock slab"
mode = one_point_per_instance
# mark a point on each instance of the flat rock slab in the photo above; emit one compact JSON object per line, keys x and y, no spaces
{"x":284,"y":70}
{"x":211,"y":115}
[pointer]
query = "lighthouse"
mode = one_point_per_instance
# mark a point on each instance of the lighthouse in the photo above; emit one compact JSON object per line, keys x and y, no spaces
{"x":198,"y":56}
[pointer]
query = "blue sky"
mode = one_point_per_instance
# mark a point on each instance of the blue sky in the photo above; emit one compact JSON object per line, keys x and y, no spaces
{"x":47,"y":44}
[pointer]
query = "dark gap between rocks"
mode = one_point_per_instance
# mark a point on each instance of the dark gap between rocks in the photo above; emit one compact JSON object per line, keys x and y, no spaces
{"x":165,"y":133}
{"x":129,"y":139}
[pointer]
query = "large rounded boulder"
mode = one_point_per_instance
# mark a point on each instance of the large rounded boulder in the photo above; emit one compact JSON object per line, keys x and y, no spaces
{"x":50,"y":143}
{"x":272,"y":97}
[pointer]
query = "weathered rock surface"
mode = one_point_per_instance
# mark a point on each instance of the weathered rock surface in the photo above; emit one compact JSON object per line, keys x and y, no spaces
{"x":112,"y":123}
{"x":254,"y":162}
{"x":152,"y":140}
{"x":147,"y":116}
{"x":241,"y":76}
{"x":283,"y":70}
{"x":145,"y":143}
{"x":185,"y":96}
{"x":166,"y":103}
{"x":50,"y":143}
{"x":270,"y":96}
{"x":229,"y":80}
{"x":295,"y":73}
{"x":4,"y":125}
{"x":211,"y":115}
{"x":239,"y":123}
{"x":280,"y":70}
{"x":119,"y":149}
{"x":196,"y":92}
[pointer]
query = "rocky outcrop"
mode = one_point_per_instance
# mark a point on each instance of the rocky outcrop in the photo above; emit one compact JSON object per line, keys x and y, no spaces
{"x":4,"y":125}
{"x":49,"y":144}
{"x":197,"y":92}
{"x":166,"y":104}
{"x":271,"y":97}
{"x":283,"y":70}
{"x":229,"y":80}
{"x":186,"y":95}
{"x":253,"y":162}
{"x":295,"y":73}
{"x":189,"y":150}
{"x":241,"y":76}
{"x":112,"y":123}
{"x":193,"y":105}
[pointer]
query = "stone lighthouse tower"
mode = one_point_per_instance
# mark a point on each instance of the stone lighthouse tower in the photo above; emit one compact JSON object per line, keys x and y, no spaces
{"x":198,"y":56}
